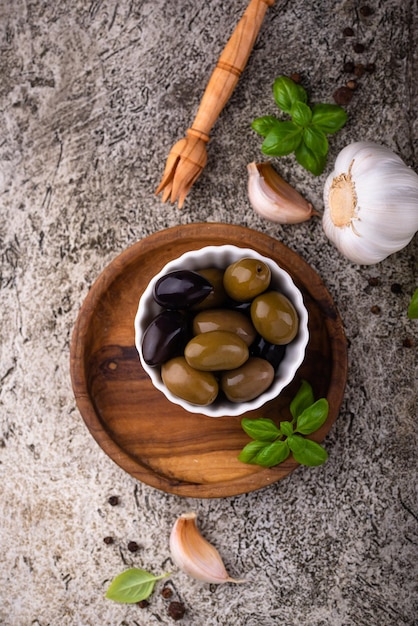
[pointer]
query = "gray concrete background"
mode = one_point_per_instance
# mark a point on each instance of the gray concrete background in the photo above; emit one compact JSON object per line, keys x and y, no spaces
{"x":92,"y":96}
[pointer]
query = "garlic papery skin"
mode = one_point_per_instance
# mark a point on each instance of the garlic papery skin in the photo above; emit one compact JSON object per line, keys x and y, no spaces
{"x":194,"y":555}
{"x":273,"y":198}
{"x":371,"y":203}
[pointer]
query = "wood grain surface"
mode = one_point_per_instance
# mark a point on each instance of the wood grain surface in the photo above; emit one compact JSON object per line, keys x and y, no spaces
{"x":160,"y":443}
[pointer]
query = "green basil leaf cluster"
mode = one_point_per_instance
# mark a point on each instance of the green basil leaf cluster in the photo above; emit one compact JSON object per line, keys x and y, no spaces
{"x":132,"y":586}
{"x":273,"y":444}
{"x":306,"y":133}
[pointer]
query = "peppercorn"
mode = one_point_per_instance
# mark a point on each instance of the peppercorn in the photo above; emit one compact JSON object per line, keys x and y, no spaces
{"x":108,"y":540}
{"x":396,"y":288}
{"x":296,"y":77}
{"x":133,"y":546}
{"x":408,"y":343}
{"x":375,"y":309}
{"x":370,"y":67}
{"x":167,"y":592}
{"x":348,"y":32}
{"x":176,"y":610}
{"x":359,"y":70}
{"x":374,"y":281}
{"x":343,"y":95}
{"x":349,"y":67}
{"x":113,"y":500}
{"x":366,"y":11}
{"x":351,"y":84}
{"x":359,"y":48}
{"x":143,"y":604}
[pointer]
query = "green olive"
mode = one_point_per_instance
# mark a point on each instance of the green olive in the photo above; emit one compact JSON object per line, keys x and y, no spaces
{"x":275,"y":317}
{"x":216,"y":350}
{"x":248,"y":381}
{"x":185,"y":382}
{"x":217,"y":297}
{"x":225,"y":319}
{"x":247,"y":278}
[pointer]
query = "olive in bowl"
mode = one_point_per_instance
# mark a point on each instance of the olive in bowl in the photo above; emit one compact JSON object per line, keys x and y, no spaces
{"x":221,"y":330}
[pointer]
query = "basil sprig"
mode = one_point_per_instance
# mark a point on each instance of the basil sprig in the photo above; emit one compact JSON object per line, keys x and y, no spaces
{"x":306,"y":133}
{"x":273,"y":444}
{"x":132,"y":586}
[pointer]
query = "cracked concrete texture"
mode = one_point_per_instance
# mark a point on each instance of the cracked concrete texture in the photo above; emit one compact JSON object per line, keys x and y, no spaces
{"x":92,"y":97}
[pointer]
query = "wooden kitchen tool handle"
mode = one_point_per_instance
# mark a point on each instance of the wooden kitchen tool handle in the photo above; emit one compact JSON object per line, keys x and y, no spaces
{"x":229,"y":68}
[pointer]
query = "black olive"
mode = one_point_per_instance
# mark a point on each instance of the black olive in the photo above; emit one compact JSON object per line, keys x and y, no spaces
{"x":165,"y":337}
{"x":243,"y":307}
{"x":270,"y":352}
{"x":181,"y":289}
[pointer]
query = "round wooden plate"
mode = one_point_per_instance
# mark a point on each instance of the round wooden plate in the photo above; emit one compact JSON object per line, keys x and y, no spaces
{"x":160,"y":443}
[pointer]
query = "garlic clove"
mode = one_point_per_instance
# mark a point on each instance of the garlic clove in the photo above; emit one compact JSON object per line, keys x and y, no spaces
{"x":193,"y":554}
{"x":273,"y":198}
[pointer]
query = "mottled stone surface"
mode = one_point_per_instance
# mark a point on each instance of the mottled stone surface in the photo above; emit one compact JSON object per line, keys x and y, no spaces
{"x":92,"y":96}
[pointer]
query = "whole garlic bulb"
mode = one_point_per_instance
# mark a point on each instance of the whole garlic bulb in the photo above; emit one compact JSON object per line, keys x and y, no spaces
{"x":371,"y":203}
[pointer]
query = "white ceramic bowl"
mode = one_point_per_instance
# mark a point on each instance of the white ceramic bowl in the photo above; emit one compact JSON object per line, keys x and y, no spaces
{"x":221,"y":257}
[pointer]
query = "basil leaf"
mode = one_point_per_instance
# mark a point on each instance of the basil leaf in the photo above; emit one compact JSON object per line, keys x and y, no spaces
{"x":316,"y":140}
{"x":263,"y":125}
{"x":413,"y":306}
{"x":296,"y":443}
{"x":328,"y":117}
{"x":301,"y":113}
{"x":263,"y":428}
{"x":286,"y":92}
{"x":133,"y":585}
{"x":302,"y":399}
{"x":311,"y":161}
{"x":282,"y":139}
{"x":313,"y":417}
{"x":272,"y":454}
{"x":307,"y":452}
{"x":286,"y":428}
{"x":249,"y":453}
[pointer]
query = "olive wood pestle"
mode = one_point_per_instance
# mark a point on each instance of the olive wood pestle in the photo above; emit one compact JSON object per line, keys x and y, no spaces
{"x":188,"y":156}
